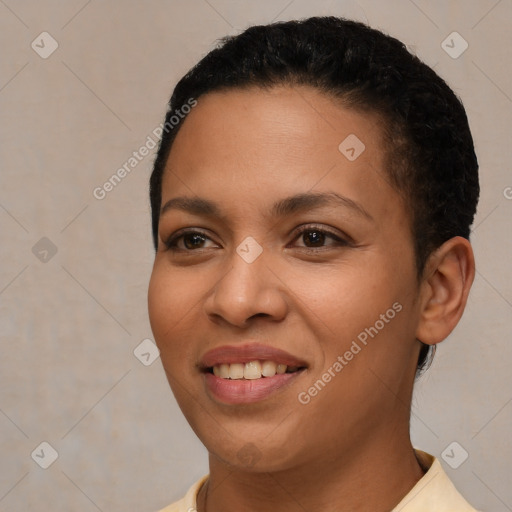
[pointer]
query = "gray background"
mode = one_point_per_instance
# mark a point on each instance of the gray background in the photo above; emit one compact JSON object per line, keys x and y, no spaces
{"x":70,"y":321}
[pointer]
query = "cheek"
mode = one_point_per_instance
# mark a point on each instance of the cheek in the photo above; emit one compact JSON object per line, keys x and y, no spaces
{"x":346,"y":296}
{"x":369,"y":305}
{"x":172,"y":297}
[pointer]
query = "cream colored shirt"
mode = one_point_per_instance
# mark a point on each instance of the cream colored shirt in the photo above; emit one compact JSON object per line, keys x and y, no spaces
{"x":434,"y":492}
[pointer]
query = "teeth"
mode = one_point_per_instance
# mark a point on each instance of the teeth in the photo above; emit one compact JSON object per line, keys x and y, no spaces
{"x":252,"y":370}
{"x":281,"y":368}
{"x":236,"y":371}
{"x":268,"y":368}
{"x":224,"y":371}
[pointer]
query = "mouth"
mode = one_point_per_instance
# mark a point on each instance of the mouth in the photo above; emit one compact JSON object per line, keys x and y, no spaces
{"x":251,"y":370}
{"x":248,"y":373}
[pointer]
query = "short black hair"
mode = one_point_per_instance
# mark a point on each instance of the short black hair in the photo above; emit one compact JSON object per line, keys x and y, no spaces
{"x":431,"y":160}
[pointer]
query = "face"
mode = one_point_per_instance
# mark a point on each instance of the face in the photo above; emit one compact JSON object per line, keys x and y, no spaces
{"x":283,"y":293}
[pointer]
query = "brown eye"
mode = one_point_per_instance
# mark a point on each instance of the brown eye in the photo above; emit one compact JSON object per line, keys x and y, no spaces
{"x":187,"y":241}
{"x":315,"y":238}
{"x":193,"y":240}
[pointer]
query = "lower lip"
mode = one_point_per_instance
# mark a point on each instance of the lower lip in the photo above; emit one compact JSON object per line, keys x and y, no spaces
{"x":246,"y":391}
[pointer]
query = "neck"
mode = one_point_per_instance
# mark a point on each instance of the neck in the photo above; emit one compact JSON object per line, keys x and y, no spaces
{"x":374,"y":477}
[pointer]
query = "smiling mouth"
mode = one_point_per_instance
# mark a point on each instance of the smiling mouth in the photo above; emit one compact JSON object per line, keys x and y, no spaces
{"x":251,"y":370}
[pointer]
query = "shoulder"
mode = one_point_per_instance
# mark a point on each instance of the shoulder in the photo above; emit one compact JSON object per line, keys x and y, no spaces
{"x":434,"y":491}
{"x":188,"y":502}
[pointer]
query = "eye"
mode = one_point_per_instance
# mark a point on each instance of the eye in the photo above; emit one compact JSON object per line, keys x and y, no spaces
{"x":313,"y":237}
{"x":317,"y":237}
{"x":187,"y":240}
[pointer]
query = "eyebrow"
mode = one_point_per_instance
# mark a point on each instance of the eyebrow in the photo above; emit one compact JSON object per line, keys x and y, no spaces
{"x":287,"y":206}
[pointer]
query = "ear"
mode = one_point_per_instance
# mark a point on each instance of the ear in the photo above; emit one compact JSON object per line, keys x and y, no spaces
{"x":448,"y":277}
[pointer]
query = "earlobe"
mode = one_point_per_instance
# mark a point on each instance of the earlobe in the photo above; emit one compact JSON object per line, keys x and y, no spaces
{"x":448,"y":278}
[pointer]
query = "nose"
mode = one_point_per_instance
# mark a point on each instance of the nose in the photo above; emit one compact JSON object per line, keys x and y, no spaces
{"x":245,"y":292}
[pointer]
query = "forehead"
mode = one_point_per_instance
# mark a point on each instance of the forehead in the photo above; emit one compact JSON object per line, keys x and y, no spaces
{"x":281,"y":114}
{"x":272,"y":141}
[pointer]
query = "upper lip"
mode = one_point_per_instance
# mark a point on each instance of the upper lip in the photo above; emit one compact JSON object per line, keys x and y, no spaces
{"x":244,"y":353}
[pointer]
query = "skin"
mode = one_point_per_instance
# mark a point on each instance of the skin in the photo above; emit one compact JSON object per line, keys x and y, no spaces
{"x":349,"y":447}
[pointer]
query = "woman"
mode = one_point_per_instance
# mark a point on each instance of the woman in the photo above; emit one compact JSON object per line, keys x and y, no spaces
{"x":312,"y":199}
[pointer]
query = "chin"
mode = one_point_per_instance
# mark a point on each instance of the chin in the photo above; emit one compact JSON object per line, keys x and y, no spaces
{"x":254,"y":458}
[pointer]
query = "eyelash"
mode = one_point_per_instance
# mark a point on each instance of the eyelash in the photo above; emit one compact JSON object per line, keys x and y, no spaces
{"x":172,"y":241}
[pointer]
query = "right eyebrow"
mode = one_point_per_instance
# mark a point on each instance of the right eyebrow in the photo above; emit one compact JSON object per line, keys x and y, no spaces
{"x":194,"y":205}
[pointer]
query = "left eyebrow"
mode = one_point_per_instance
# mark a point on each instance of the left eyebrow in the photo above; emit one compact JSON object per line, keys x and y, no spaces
{"x":310,"y":201}
{"x":285,"y":207}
